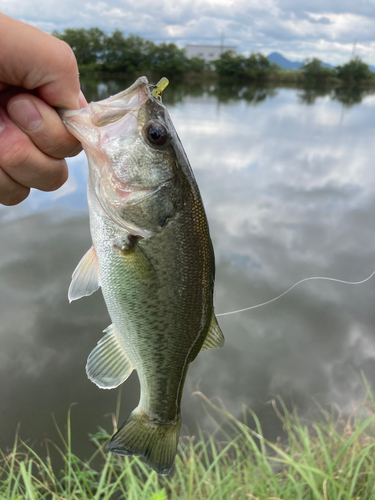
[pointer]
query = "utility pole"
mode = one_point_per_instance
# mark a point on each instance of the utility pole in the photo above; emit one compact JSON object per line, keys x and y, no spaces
{"x":354,"y":47}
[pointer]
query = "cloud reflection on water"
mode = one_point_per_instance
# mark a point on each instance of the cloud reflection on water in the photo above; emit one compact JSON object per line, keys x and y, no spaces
{"x":289,"y":193}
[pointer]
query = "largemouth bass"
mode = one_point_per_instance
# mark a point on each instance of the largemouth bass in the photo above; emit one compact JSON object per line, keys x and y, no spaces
{"x":153,"y":258}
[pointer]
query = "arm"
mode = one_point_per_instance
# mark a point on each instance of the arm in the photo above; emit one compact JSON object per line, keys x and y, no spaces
{"x":37,"y":73}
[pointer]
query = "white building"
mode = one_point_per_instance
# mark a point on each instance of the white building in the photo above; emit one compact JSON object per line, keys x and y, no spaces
{"x":207,"y":52}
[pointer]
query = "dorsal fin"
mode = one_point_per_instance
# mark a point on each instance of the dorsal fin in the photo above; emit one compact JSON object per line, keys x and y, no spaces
{"x":215,"y":337}
{"x":108,"y":365}
{"x":85,"y":279}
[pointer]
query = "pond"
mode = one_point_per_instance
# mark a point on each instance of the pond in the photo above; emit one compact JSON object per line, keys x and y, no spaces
{"x":288,"y":183}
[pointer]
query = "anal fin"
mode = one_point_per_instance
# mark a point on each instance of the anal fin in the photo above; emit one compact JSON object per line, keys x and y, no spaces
{"x":108,"y":365}
{"x":215,"y":337}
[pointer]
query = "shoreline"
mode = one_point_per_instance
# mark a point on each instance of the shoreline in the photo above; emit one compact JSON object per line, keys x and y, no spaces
{"x":272,"y":78}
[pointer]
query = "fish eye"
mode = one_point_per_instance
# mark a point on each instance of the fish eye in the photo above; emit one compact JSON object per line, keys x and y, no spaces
{"x":156,"y":133}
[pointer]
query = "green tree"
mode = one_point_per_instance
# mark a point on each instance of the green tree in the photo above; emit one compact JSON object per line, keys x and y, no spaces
{"x":114,"y":48}
{"x":127,"y":54}
{"x":196,"y":64}
{"x":168,"y":59}
{"x":230,"y":64}
{"x":312,"y":66}
{"x":88,"y":45}
{"x":275,"y":67}
{"x":355,"y":70}
{"x":237,"y":65}
{"x":315,"y":72}
{"x":256,"y":64}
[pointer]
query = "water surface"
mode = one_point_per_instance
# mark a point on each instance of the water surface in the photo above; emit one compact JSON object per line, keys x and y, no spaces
{"x":288,"y":183}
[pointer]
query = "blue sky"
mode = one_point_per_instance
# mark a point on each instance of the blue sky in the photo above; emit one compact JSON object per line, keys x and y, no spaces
{"x":296,"y":28}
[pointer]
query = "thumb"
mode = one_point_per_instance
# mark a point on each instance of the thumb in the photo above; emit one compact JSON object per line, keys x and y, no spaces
{"x":34,"y":60}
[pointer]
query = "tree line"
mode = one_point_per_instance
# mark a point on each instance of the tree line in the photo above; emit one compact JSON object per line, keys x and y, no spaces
{"x":117,"y":53}
{"x":353,"y":71}
{"x":94,"y":49}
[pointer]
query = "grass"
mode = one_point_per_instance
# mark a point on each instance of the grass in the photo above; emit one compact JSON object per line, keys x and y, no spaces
{"x":329,"y":459}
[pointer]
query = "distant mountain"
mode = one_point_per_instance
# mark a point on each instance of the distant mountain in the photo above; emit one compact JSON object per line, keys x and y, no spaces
{"x":284,"y":63}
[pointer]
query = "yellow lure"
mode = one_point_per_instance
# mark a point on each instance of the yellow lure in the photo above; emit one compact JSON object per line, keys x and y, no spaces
{"x":160,"y":87}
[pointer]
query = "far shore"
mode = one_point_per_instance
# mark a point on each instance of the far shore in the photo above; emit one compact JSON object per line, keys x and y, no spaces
{"x":293,"y":78}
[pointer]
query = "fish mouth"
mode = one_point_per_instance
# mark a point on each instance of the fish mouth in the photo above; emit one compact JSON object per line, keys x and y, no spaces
{"x":110,"y":110}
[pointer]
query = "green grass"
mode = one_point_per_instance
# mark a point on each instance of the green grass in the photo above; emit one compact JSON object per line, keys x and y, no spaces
{"x":329,"y":459}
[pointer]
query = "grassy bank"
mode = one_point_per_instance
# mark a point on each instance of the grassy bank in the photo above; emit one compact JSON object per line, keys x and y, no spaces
{"x":331,"y":458}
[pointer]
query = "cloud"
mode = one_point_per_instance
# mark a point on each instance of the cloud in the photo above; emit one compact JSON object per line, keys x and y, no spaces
{"x":297,"y":29}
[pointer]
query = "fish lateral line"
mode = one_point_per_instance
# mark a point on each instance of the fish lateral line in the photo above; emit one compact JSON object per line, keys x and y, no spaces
{"x":293,"y":286}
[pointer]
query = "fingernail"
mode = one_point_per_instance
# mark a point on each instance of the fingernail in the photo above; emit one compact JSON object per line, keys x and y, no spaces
{"x":25,"y":114}
{"x":2,"y":123}
{"x":82,"y":100}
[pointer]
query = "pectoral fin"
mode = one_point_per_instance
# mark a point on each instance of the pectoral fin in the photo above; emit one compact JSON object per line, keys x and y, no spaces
{"x":137,"y":261}
{"x":85,"y":279}
{"x":108,"y":365}
{"x":215,"y":337}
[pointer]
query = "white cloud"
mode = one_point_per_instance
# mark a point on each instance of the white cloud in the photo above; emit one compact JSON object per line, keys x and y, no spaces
{"x":297,"y":29}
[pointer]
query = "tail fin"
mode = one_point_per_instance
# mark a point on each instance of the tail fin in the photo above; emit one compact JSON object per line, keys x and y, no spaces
{"x":155,"y":441}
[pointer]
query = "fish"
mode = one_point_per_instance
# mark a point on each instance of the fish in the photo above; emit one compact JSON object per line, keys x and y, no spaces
{"x":153,"y":258}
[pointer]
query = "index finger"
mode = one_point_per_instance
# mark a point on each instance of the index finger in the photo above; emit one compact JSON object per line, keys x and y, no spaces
{"x":42,"y":62}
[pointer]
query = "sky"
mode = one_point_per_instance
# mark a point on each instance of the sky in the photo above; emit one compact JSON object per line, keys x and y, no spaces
{"x":298,"y":29}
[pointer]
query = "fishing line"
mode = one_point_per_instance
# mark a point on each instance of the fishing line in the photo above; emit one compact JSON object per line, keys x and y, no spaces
{"x":293,"y":286}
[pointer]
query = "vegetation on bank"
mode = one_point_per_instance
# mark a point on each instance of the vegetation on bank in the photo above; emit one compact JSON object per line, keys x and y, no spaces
{"x":116,"y":53}
{"x":331,"y":458}
{"x":94,"y":50}
{"x":353,"y":72}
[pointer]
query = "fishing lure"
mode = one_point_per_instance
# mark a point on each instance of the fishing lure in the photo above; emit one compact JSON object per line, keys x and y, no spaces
{"x":159,"y":87}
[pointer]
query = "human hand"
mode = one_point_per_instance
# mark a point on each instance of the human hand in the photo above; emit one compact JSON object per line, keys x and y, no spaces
{"x":37,"y":73}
